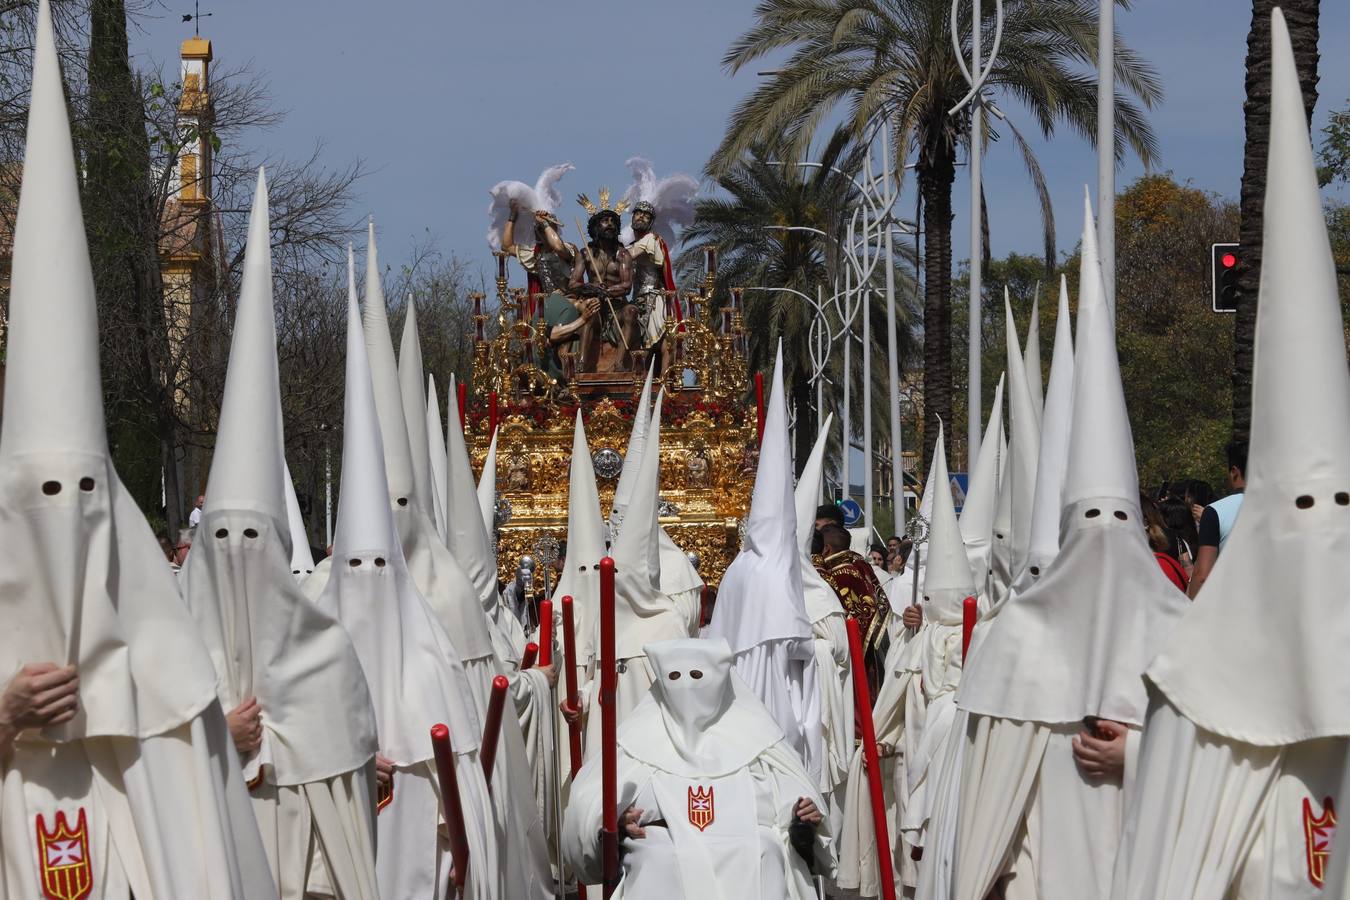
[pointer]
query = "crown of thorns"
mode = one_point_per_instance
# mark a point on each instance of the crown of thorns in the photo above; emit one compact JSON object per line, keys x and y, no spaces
{"x":592,"y":209}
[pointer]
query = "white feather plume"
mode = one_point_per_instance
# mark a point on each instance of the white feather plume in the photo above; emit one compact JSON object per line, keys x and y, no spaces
{"x":673,"y":197}
{"x":543,"y":196}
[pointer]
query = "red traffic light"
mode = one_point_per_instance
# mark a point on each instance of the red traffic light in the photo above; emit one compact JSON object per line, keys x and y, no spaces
{"x":1229,"y":260}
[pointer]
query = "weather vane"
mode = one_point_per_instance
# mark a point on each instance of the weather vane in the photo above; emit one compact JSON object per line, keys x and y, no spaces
{"x":195,"y":17}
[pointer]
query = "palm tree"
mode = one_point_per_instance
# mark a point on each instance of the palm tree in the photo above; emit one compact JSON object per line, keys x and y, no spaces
{"x":1301,"y":17}
{"x":781,"y":226}
{"x":892,"y":62}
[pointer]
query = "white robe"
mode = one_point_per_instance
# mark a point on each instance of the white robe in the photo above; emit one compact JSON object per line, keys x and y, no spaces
{"x":681,"y":862}
{"x":166,"y":816}
{"x":1214,"y":819}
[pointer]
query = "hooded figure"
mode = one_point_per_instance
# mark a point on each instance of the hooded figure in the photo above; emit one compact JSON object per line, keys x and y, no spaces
{"x":1032,"y":811}
{"x":680,"y":581}
{"x":709,"y":784}
{"x":834,"y":671}
{"x":580,"y":578}
{"x":523,"y":763}
{"x":1023,"y":452}
{"x":1241,"y":769}
{"x":436,"y":446}
{"x":415,"y":675}
{"x":302,"y":558}
{"x":412,"y":391}
{"x":312,"y":771}
{"x":435,"y":571}
{"x":135,"y":786}
{"x":487,"y":489}
{"x":761,"y":607}
{"x":982,"y":498}
{"x":1031,"y":357}
{"x":928,"y":724}
{"x":1054,"y":447}
{"x":643,"y":615}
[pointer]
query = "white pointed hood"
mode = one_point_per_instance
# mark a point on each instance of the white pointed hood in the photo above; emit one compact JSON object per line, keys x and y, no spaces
{"x":436,"y":574}
{"x":1054,"y":456}
{"x":1101,"y":448}
{"x":1032,"y":356}
{"x":385,"y":382}
{"x":436,"y":449}
{"x":246,"y":467}
{"x":86,"y":583}
{"x":470,"y":543}
{"x":263,"y":637}
{"x":415,"y":676}
{"x":820,"y":598}
{"x":947,"y":579}
{"x":1260,"y":657}
{"x":1024,"y":449}
{"x":761,"y":596}
{"x":412,"y":391}
{"x":1076,"y":642}
{"x":580,"y":578}
{"x":981,"y":506}
{"x":643,"y":613}
{"x":806,"y":496}
{"x":632,"y":457}
{"x":487,"y":487}
{"x":302,"y":558}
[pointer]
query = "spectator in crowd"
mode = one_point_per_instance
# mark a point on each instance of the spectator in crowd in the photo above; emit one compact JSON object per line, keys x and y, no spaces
{"x":1217,"y":518}
{"x":196,"y":515}
{"x":1163,"y":542}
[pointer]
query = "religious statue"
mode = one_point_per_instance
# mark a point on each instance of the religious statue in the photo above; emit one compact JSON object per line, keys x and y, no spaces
{"x":604,"y":271}
{"x":518,"y":473}
{"x":548,"y":262}
{"x":652,"y":274}
{"x":700,"y":470}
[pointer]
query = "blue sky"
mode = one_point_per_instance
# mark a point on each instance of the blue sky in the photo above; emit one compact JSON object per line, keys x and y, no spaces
{"x":444,"y":99}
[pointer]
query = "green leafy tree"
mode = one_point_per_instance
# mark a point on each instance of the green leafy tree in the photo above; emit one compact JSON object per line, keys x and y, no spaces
{"x":892,"y":62}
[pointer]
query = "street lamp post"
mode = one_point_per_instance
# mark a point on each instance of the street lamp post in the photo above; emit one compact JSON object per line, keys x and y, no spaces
{"x":975,"y":76}
{"x":1106,"y":146}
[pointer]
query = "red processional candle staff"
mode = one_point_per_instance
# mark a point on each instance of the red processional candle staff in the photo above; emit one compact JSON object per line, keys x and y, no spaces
{"x":463,"y":391}
{"x":862,"y":703}
{"x":570,"y":677}
{"x":530,"y":657}
{"x":970,"y":611}
{"x":609,"y":832}
{"x":454,"y":810}
{"x":545,"y":632}
{"x":492,"y":726}
{"x":759,"y":406}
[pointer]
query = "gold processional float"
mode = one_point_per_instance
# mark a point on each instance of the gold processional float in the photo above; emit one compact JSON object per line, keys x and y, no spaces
{"x":709,"y":440}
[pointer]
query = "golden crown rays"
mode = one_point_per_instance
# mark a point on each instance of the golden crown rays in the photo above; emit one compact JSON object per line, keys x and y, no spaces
{"x":592,"y":208}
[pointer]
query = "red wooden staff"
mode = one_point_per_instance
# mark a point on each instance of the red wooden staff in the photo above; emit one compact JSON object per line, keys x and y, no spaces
{"x":492,"y":414}
{"x":545,"y":632}
{"x":454,"y":811}
{"x":570,"y":674}
{"x":492,"y":726}
{"x":862,"y":703}
{"x":527,"y":661}
{"x":609,"y":833}
{"x":462,"y":391}
{"x":970,"y":611}
{"x":759,"y":405}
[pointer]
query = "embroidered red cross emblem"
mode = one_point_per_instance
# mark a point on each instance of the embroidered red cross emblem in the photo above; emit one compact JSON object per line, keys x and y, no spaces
{"x":701,"y":807}
{"x":1318,"y":832}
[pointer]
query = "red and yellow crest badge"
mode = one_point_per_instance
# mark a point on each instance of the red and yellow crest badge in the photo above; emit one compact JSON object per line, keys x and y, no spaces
{"x":701,"y":807}
{"x":1318,"y":832}
{"x":384,"y":796}
{"x":63,"y":859}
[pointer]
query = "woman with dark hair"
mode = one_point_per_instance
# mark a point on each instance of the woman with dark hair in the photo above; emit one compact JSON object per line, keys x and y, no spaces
{"x":1163,"y":542}
{"x":1198,"y":495}
{"x":1177,"y":517}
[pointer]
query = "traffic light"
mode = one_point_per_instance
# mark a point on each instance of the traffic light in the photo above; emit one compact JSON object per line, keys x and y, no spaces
{"x":1223,"y":277}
